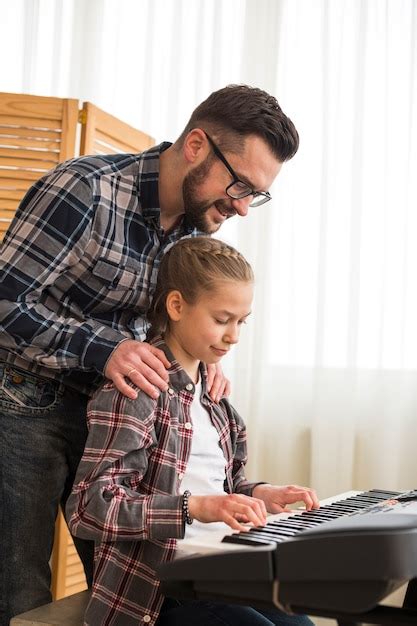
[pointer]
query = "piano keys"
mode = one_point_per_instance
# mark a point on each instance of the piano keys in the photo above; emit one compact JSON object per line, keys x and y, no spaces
{"x":278,"y":530}
{"x":347,"y":556}
{"x":215,"y":541}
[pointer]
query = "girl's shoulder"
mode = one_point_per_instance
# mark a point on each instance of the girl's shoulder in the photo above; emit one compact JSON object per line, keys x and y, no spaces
{"x":108,"y":399}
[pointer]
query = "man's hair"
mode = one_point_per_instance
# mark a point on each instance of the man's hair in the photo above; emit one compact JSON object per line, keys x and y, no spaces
{"x":236,"y":111}
{"x":192,"y":267}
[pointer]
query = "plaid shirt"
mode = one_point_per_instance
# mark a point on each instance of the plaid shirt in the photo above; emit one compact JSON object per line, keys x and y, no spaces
{"x":78,"y":265}
{"x":126,"y":493}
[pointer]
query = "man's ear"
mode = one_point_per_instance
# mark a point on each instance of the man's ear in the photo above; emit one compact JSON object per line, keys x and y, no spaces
{"x":195,"y":146}
{"x":174,"y":305}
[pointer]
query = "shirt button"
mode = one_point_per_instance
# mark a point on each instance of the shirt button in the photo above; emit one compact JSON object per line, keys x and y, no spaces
{"x":189,"y":387}
{"x":180,"y":475}
{"x":170,"y":391}
{"x":147,"y":618}
{"x":188,"y":425}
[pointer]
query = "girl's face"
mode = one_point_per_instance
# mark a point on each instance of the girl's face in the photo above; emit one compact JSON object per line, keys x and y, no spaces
{"x":206,"y":330}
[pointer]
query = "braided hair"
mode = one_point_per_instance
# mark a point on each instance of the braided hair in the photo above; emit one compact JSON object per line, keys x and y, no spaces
{"x":194,"y":266}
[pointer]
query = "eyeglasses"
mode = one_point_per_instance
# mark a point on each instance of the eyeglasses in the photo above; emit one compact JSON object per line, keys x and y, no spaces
{"x":237,"y":188}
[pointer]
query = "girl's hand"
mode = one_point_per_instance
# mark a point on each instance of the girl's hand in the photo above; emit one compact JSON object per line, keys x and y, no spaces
{"x":234,"y":509}
{"x":217,"y":384}
{"x":277,"y":498}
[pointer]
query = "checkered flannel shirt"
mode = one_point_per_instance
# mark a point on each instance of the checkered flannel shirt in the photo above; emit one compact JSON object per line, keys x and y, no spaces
{"x":127,"y":490}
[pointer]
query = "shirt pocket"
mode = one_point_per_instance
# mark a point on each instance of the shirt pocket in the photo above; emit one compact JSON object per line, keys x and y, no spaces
{"x":114,"y":277}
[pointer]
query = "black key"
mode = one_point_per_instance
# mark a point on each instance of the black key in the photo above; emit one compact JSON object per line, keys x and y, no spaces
{"x":364,"y":501}
{"x":300,"y":524}
{"x":321,"y":516}
{"x":275,"y":537}
{"x":384,"y":492}
{"x":306,"y":523}
{"x":287,"y":532}
{"x":282,"y":530}
{"x":343,"y":508}
{"x":246,"y":540}
{"x":408,"y":495}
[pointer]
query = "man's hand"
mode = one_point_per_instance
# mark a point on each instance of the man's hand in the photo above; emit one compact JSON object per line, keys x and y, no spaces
{"x":218,"y":386}
{"x":141,"y":363}
{"x":277,"y":498}
{"x":234,"y":509}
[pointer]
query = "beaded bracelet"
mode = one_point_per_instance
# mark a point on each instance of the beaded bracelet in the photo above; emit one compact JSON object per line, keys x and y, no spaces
{"x":185,"y":511}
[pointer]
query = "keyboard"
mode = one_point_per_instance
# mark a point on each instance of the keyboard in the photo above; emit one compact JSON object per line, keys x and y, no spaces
{"x":346,"y":556}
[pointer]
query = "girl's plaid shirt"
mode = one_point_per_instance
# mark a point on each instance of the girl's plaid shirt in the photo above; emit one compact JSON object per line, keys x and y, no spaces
{"x":127,"y":490}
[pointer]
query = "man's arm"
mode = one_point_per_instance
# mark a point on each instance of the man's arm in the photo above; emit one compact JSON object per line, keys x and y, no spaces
{"x":47,"y":237}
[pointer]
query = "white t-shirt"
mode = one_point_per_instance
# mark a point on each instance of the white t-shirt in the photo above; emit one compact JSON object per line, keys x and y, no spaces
{"x":206,"y":468}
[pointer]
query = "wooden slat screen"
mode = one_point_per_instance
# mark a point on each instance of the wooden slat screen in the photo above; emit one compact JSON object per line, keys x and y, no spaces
{"x":67,"y":570}
{"x":102,"y":133}
{"x":36,"y":133}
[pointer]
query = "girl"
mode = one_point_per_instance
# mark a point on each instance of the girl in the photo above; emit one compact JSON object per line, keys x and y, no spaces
{"x":156,"y":471}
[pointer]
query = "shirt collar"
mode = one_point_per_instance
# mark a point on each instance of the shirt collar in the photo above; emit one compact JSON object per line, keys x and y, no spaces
{"x":148,"y":180}
{"x":148,"y":187}
{"x":178,"y":377}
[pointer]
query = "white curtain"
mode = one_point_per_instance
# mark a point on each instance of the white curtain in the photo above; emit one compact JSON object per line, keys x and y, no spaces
{"x":332,"y":387}
{"x":326,"y":371}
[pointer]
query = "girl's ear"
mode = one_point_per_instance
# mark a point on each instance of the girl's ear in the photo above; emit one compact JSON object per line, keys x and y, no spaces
{"x":174,"y":305}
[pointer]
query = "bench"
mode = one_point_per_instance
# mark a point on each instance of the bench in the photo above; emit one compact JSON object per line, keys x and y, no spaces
{"x":66,"y":612}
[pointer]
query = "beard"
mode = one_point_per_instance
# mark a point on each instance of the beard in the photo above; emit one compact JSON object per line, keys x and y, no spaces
{"x":195,"y":210}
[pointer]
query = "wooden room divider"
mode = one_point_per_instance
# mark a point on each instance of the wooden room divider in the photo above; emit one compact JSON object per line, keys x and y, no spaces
{"x":102,"y":133}
{"x":37,"y":133}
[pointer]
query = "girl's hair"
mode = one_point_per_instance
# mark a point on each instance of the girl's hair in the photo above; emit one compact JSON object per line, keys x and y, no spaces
{"x":193,"y":266}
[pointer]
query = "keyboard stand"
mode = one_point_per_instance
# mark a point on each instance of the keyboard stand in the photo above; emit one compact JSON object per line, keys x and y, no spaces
{"x":410,"y":600}
{"x":381,"y":614}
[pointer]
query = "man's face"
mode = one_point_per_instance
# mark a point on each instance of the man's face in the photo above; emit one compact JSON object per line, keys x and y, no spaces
{"x":206,"y":202}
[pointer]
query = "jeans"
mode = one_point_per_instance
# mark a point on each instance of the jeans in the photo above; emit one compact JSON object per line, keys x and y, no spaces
{"x":180,"y":613}
{"x":42,"y":437}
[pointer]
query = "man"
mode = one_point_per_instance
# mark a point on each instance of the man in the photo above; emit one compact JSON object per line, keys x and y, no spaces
{"x":79,"y":266}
